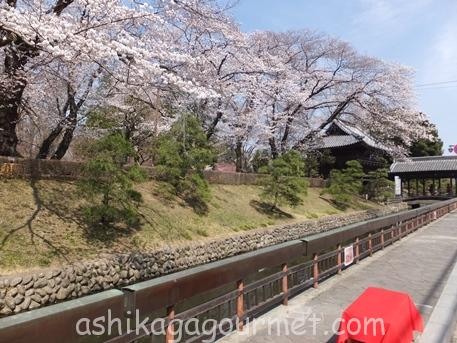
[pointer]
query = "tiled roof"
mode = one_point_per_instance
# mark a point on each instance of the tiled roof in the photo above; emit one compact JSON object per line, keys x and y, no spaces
{"x":362,"y":136}
{"x":337,"y":141}
{"x":353,"y":135}
{"x":425,"y":164}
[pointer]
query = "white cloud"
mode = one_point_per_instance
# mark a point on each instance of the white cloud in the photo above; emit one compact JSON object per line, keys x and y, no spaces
{"x":441,"y":58}
{"x":388,"y":17}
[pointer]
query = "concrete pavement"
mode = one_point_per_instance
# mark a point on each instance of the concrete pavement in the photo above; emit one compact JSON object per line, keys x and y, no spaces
{"x":440,"y":326}
{"x":419,"y":265}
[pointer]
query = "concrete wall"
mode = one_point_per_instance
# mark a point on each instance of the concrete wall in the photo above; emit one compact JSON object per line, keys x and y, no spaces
{"x":30,"y":291}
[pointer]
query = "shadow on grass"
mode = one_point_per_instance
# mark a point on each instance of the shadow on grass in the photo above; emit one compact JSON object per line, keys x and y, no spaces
{"x":338,"y":205}
{"x":199,"y":206}
{"x":267,"y":209}
{"x":56,"y":200}
{"x":355,"y":203}
{"x":110,"y":233}
{"x":28,"y":225}
{"x":61,"y":201}
{"x":162,"y":226}
{"x":167,"y":195}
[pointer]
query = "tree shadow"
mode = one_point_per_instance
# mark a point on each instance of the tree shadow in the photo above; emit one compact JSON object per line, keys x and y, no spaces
{"x":197,"y":204}
{"x":335,"y":204}
{"x":29,"y":225}
{"x":167,"y":195}
{"x":56,"y":203}
{"x":267,"y":209}
{"x":169,"y":232}
{"x":110,"y":233}
{"x":55,"y":199}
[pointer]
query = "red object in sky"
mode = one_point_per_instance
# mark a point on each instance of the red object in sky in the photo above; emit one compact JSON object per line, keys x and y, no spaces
{"x":380,"y":315}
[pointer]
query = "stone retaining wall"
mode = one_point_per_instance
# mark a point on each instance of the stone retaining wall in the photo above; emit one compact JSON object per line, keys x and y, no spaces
{"x":27,"y":292}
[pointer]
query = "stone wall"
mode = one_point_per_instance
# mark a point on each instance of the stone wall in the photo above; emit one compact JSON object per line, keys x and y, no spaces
{"x":26,"y":292}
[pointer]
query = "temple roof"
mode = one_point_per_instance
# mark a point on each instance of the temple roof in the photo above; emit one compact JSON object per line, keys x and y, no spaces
{"x":425,"y":164}
{"x":337,"y":141}
{"x":339,"y":134}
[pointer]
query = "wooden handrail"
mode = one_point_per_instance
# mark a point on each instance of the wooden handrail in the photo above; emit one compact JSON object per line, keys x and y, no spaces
{"x":169,"y":291}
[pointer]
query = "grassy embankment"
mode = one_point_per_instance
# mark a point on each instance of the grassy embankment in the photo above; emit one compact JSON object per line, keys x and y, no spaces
{"x":41,"y":224}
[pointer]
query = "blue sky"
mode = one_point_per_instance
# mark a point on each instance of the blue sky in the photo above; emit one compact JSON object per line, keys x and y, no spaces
{"x":418,"y":33}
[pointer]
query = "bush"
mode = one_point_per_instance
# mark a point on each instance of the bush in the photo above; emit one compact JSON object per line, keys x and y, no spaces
{"x":345,"y":184}
{"x":285,"y":182}
{"x":108,"y":185}
{"x":318,"y":163}
{"x":182,"y":155}
{"x":378,"y":186}
{"x":260,"y":160}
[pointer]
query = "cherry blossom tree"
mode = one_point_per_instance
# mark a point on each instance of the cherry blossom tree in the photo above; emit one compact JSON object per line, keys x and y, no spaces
{"x":149,"y":62}
{"x":313,"y":79}
{"x":127,"y":41}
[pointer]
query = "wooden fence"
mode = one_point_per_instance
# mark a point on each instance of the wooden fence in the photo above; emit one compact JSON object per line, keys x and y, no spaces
{"x":69,"y":170}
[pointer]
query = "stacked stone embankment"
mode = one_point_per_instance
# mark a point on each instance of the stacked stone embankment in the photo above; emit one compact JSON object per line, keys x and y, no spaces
{"x":30,"y":291}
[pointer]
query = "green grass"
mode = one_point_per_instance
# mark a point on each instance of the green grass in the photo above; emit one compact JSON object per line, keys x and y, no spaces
{"x":41,"y":224}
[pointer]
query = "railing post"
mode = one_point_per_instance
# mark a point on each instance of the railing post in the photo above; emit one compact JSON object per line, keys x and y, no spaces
{"x":316,"y":270}
{"x":170,"y":334}
{"x":285,"y":287}
{"x":370,"y":244}
{"x":357,"y":250}
{"x":339,"y":259}
{"x":382,"y":239}
{"x":240,"y":304}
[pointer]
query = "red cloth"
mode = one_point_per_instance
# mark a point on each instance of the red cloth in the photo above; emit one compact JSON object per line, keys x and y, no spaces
{"x":399,"y":315}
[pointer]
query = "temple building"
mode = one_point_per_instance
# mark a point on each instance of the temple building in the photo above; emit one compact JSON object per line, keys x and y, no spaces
{"x":424,"y":177}
{"x":345,"y":142}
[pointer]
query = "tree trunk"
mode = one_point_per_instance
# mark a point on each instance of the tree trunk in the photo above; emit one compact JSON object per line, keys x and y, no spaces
{"x":273,"y":148}
{"x":287,"y":129}
{"x":11,"y":90}
{"x":17,"y":53}
{"x":8,"y":120}
{"x":334,"y":115}
{"x":239,"y":156}
{"x":212,"y":128}
{"x":65,"y":143}
{"x":71,"y":122}
{"x":47,"y":143}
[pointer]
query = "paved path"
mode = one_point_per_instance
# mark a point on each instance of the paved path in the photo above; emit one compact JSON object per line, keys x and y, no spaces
{"x":441,"y":323}
{"x":419,"y":265}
